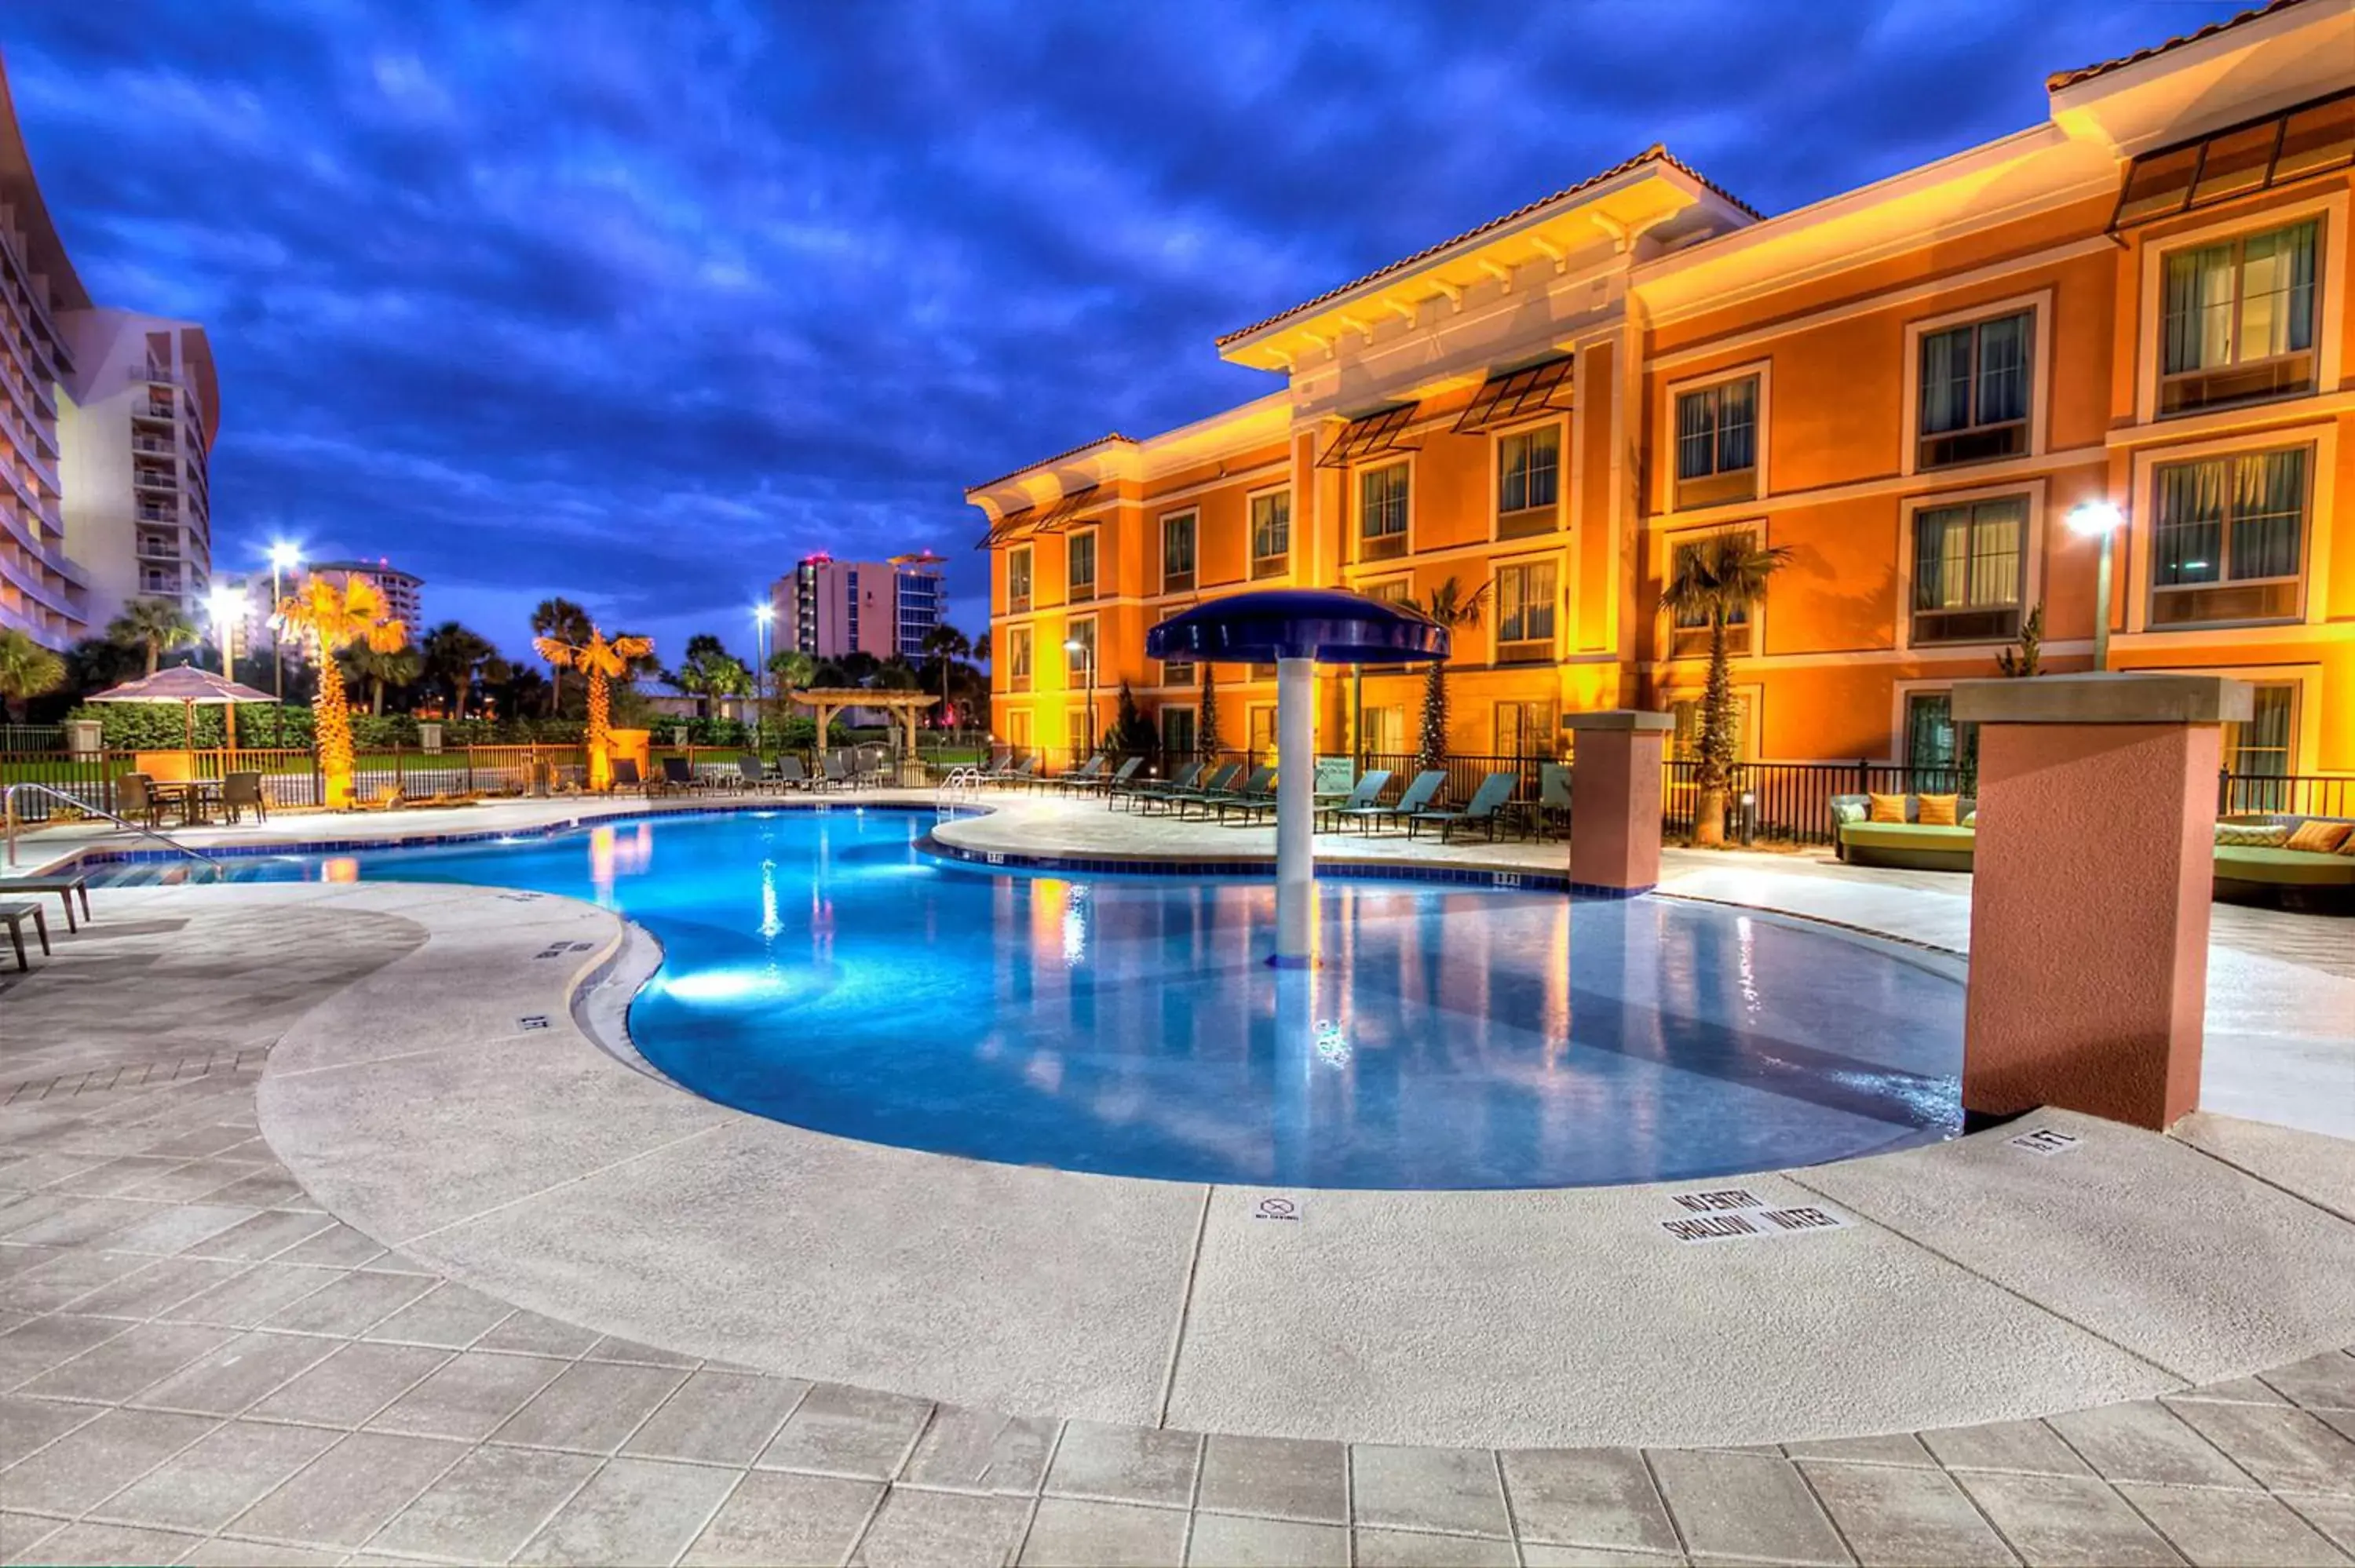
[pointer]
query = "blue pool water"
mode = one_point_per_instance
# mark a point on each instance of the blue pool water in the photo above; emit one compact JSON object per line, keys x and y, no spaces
{"x":821,"y":969}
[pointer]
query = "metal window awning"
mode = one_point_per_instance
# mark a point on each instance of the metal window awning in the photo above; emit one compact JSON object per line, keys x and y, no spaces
{"x":1517,"y":393}
{"x":1057,"y":517}
{"x":2259,"y":156}
{"x":1370,"y":435}
{"x":1007,"y":528}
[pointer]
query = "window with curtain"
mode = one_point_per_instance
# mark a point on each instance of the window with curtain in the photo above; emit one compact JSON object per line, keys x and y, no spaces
{"x":1018,"y":580}
{"x":1018,"y":730}
{"x":1527,"y":729}
{"x":1178,"y":552}
{"x":1079,"y":733}
{"x":1973,"y":391}
{"x":1382,"y":512}
{"x":1018,"y":658}
{"x":1081,"y":577}
{"x":1970,"y":565}
{"x":1937,"y":746}
{"x":1176,"y":735}
{"x":1271,"y":526}
{"x":1717,"y":443}
{"x":2228,"y":539}
{"x":2237,"y":320}
{"x":1529,"y":481}
{"x":1175,"y":672}
{"x":1525,"y":612}
{"x":1258,"y":728}
{"x":2260,"y":748}
{"x":1079,"y":662}
{"x":1689,"y":633}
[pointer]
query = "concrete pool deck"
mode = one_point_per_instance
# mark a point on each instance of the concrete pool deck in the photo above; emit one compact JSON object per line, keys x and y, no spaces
{"x":521,"y":1165}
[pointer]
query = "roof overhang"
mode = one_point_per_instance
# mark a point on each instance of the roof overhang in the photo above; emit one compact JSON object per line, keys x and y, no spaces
{"x":1608,"y":210}
{"x":2261,"y":62}
{"x":45,"y":250}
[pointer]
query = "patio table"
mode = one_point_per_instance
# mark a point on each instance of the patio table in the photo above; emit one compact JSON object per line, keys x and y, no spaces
{"x":192,"y":798}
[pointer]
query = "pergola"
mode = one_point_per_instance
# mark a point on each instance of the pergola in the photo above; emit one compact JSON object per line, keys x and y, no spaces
{"x":903,"y":707}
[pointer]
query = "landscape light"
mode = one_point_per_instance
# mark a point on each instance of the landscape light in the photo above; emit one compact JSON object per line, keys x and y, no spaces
{"x":2095,"y":519}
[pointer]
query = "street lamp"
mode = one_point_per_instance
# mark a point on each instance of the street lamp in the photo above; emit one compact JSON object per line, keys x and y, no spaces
{"x":1088,"y":648}
{"x":284,"y":557}
{"x":2099,"y":520}
{"x":763,"y":615}
{"x":225,"y":602}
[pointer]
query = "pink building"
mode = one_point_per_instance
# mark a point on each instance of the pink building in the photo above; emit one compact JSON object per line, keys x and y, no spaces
{"x":828,"y":608}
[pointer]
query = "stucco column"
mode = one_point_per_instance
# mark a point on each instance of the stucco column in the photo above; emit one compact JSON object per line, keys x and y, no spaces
{"x":1295,"y":813}
{"x":2092,"y":876}
{"x":1615,"y":791}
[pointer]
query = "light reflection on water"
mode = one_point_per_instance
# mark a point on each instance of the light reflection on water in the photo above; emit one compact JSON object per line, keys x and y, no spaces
{"x":820,"y":970}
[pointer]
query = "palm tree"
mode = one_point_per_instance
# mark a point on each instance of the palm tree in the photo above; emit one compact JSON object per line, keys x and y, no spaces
{"x":157,"y":624}
{"x":566,"y":622}
{"x":27,"y":670}
{"x":981,"y":649}
{"x":380,"y":669}
{"x":455,"y":655}
{"x":795,"y":670}
{"x":602,"y":662}
{"x":1452,"y":608}
{"x":708,"y":671}
{"x":335,"y":616}
{"x":946,"y":644}
{"x":1716,"y":580}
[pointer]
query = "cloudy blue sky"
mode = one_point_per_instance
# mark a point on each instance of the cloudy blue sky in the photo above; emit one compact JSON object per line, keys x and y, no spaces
{"x":641,"y":301}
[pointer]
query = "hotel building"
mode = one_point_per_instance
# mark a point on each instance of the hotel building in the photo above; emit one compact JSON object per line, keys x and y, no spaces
{"x":401,"y":591}
{"x":42,"y":591}
{"x":2142,"y":300}
{"x":828,"y":608}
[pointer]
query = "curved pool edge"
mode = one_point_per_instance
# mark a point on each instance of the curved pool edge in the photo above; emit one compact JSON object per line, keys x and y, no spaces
{"x":680,"y":1240}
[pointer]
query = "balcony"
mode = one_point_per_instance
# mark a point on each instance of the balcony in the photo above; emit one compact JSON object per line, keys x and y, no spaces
{"x":154,"y":411}
{"x":154,"y":479}
{"x":159,"y":514}
{"x":157,"y":374}
{"x":154,"y":446}
{"x":153,"y":549}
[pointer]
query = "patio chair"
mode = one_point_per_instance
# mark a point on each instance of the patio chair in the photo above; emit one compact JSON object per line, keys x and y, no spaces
{"x":835,"y":772}
{"x":1553,"y":796}
{"x":241,"y":790}
{"x":1482,"y":810}
{"x":790,"y":773}
{"x":679,"y":773}
{"x":1136,"y":795}
{"x":135,"y":802}
{"x":1208,"y":798}
{"x":1083,"y":776}
{"x":1109,"y":781}
{"x":997,"y":772}
{"x":67,"y":885}
{"x":1256,"y":797}
{"x":754,"y":772}
{"x":1418,"y":797}
{"x":14,"y":914}
{"x":1024,"y":773}
{"x":1364,"y":793}
{"x":1211,"y":783}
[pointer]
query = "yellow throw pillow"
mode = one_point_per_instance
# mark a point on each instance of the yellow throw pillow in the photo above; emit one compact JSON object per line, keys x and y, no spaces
{"x":1938,"y":810}
{"x":2321,"y":838}
{"x":1886,"y":809}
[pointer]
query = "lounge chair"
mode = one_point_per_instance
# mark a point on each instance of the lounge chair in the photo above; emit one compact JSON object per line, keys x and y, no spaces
{"x":13,"y":914}
{"x":1108,"y":781}
{"x":1085,"y":776}
{"x":755,"y":771}
{"x":1480,"y":811}
{"x":790,"y":773}
{"x":1364,"y":792}
{"x":241,"y":790}
{"x":1212,"y":784}
{"x":679,"y":773}
{"x":1418,"y":797}
{"x":67,"y":885}
{"x":1553,"y":796}
{"x":998,"y":771}
{"x":836,"y":772}
{"x":1024,"y":773}
{"x":1138,"y":794}
{"x":1208,"y":798}
{"x":1254,"y":798}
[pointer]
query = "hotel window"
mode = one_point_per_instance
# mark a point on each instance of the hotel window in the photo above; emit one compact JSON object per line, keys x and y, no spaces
{"x":1935,"y":744}
{"x":1259,"y":725}
{"x":1525,"y":613}
{"x":1969,"y":563}
{"x":1975,"y":391}
{"x":1717,"y":443}
{"x":1079,"y":652}
{"x":2257,"y":752}
{"x":1685,"y":739}
{"x":1688,"y":635}
{"x":1175,"y":672}
{"x":1527,"y":729}
{"x":2227,"y":538}
{"x":1176,"y":735}
{"x":1081,"y":580}
{"x":1529,"y":481}
{"x":1017,"y":731}
{"x":1382,"y":731}
{"x":1178,"y":552}
{"x":1018,"y":658}
{"x":2238,"y":320}
{"x":1018,"y":580}
{"x":1382,"y":512}
{"x":1079,"y":733}
{"x":1271,"y":528}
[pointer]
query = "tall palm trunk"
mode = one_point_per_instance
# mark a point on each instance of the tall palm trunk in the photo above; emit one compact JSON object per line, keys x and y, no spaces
{"x":333,"y":726}
{"x":463,"y":688}
{"x":154,"y":655}
{"x":1716,"y":741}
{"x":376,"y":695}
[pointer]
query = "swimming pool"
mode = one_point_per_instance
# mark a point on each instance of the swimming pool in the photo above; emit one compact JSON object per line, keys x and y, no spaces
{"x":820,"y":968}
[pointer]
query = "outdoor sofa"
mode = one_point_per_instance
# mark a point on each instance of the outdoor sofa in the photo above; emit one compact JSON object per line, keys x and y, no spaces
{"x":1911,"y":844}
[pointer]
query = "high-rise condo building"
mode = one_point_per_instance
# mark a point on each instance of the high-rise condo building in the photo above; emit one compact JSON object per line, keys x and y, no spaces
{"x":42,"y":591}
{"x":401,"y":590}
{"x":827,"y":607}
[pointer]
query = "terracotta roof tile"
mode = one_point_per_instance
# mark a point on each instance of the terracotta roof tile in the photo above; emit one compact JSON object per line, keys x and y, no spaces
{"x":1042,"y":462}
{"x":1655,"y":153}
{"x":2062,"y":79}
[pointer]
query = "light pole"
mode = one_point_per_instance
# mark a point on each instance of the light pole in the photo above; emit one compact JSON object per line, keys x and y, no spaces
{"x":225,"y":602}
{"x":2099,"y":520}
{"x":284,"y":557}
{"x":763,"y":615}
{"x":1088,"y":649}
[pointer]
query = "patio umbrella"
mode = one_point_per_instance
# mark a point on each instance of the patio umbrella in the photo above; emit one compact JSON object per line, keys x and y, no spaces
{"x":187,"y":685}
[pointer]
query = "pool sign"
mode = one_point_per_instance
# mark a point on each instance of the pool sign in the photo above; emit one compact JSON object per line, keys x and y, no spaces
{"x":1719,"y":1201}
{"x":2045,"y":1141}
{"x":1287,"y":1210}
{"x":1737,"y":1213}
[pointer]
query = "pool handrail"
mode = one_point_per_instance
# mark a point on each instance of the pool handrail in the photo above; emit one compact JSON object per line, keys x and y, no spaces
{"x":8,"y":810}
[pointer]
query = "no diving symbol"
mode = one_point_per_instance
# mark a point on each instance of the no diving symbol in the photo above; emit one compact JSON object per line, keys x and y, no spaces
{"x":1277,"y":1208}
